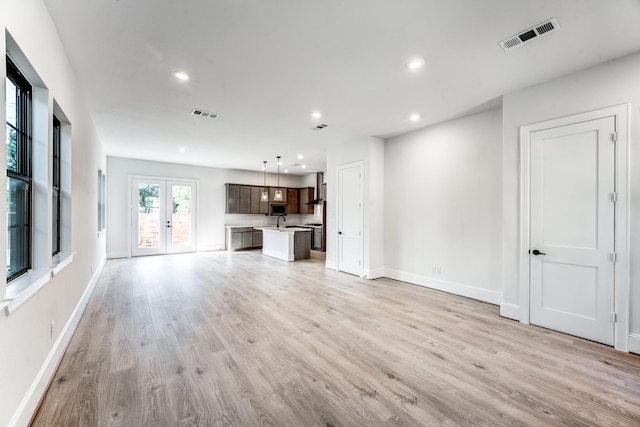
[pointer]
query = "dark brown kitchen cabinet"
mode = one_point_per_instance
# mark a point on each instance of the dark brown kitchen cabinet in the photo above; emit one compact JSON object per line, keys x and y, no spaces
{"x":239,"y":200}
{"x":257,"y":205}
{"x":245,"y":200}
{"x":306,"y":195}
{"x":243,"y":238}
{"x":233,"y":199}
{"x":292,"y":200}
{"x":272,"y":193}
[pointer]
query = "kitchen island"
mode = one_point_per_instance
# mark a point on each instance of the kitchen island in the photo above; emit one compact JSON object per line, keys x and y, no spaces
{"x":287,"y":244}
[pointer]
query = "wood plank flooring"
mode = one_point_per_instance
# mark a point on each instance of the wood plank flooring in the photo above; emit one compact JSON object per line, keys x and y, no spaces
{"x":239,"y":339}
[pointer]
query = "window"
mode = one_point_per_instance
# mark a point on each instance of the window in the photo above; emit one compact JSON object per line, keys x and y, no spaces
{"x":55,"y":188}
{"x":101,"y":200}
{"x":18,"y":106}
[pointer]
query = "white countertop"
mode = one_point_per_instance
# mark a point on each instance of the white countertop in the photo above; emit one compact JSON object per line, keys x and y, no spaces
{"x":284,"y":229}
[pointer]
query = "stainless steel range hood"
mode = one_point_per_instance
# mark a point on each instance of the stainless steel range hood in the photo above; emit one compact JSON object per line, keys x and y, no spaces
{"x":319,"y":180}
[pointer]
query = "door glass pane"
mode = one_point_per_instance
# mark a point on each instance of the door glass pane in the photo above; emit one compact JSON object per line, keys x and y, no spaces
{"x":181,"y":215}
{"x":148,"y":215}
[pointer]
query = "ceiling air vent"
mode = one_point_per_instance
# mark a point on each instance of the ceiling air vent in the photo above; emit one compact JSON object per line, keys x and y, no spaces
{"x":205,"y":114}
{"x":531,"y":33}
{"x":319,"y":127}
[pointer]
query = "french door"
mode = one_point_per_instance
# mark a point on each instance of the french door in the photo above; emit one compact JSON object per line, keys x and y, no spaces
{"x":163,"y":216}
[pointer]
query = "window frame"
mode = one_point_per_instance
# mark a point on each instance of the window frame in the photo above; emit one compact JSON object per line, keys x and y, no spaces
{"x":23,"y":172}
{"x":56,"y":218}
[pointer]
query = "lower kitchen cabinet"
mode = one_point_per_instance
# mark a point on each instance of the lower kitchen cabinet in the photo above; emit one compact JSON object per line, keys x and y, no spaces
{"x":243,"y":238}
{"x":257,"y":238}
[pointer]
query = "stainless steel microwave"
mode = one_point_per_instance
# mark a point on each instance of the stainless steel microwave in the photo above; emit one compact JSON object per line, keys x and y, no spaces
{"x":276,"y":209}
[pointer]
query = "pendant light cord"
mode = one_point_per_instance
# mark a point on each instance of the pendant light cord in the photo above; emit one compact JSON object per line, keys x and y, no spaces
{"x":278,"y":157}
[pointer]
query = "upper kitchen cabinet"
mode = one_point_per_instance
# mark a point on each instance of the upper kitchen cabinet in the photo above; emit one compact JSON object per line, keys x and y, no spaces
{"x":240,"y":201}
{"x":272,"y":194}
{"x":292,"y":200}
{"x":257,"y":205}
{"x":306,"y":195}
{"x":233,"y":199}
{"x":245,"y":199}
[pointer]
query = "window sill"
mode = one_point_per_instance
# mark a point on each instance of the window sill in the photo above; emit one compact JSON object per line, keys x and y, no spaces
{"x":60,"y":261}
{"x":26,"y":286}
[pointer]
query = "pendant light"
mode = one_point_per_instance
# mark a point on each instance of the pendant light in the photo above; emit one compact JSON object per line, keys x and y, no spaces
{"x":278,"y":196}
{"x":265,"y":190}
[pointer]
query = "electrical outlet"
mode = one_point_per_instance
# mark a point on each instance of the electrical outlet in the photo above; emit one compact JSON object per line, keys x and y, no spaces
{"x":436,"y":270}
{"x":53,"y":327}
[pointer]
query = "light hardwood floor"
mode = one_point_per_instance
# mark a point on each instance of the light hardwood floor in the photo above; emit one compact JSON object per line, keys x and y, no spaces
{"x":238,"y":339}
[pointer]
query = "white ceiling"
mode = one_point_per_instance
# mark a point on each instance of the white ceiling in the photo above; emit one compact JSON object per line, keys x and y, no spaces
{"x":265,"y":65}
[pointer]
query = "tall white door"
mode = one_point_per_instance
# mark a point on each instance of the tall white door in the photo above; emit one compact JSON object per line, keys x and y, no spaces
{"x":163,"y":216}
{"x":350,"y":219}
{"x":572,"y":229}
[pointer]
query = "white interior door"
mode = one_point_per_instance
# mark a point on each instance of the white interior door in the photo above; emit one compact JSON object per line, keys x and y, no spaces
{"x":350,"y":219}
{"x":162,"y":216}
{"x":572,"y":229}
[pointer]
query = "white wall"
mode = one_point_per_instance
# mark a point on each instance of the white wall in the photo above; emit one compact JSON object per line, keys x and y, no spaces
{"x":443,"y":206}
{"x":613,"y":83}
{"x":370,"y":151}
{"x":28,"y":354}
{"x":211,"y":218}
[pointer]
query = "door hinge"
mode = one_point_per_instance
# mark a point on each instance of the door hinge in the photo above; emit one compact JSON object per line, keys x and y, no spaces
{"x":614,"y":197}
{"x":614,"y":136}
{"x":614,"y":257}
{"x":614,"y":317}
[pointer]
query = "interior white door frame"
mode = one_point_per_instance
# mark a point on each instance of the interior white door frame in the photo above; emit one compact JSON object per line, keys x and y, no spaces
{"x":622,"y":275}
{"x":130,"y":179}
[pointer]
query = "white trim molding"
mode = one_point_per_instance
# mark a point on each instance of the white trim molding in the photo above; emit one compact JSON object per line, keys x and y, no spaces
{"x":462,"y":289}
{"x":375,"y":273}
{"x":622,"y":215}
{"x":510,"y":311}
{"x":634,"y":343}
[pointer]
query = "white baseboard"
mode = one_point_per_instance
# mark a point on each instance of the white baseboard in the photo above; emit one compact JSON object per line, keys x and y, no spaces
{"x":210,"y":249}
{"x":38,"y":387}
{"x":374,"y":273}
{"x":117,"y":254}
{"x":461,"y":289}
{"x":634,"y":343}
{"x":510,"y":311}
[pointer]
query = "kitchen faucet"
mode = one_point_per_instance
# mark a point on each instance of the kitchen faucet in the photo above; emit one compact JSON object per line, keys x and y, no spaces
{"x":278,"y":220}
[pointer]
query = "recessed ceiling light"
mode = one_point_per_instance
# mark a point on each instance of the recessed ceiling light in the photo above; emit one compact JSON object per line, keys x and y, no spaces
{"x":182,"y":149}
{"x":286,"y":171}
{"x":303,"y":166}
{"x":415,"y":63}
{"x":181,"y":75}
{"x":414,"y":117}
{"x":300,"y":157}
{"x":316,"y":115}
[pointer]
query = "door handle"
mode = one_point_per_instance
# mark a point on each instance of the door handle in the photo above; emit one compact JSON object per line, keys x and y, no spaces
{"x":339,"y":232}
{"x":168,"y":224}
{"x":537,"y":252}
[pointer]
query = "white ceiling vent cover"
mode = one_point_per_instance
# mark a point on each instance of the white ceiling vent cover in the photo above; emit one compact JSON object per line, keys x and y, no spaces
{"x":531,"y":33}
{"x":205,"y":114}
